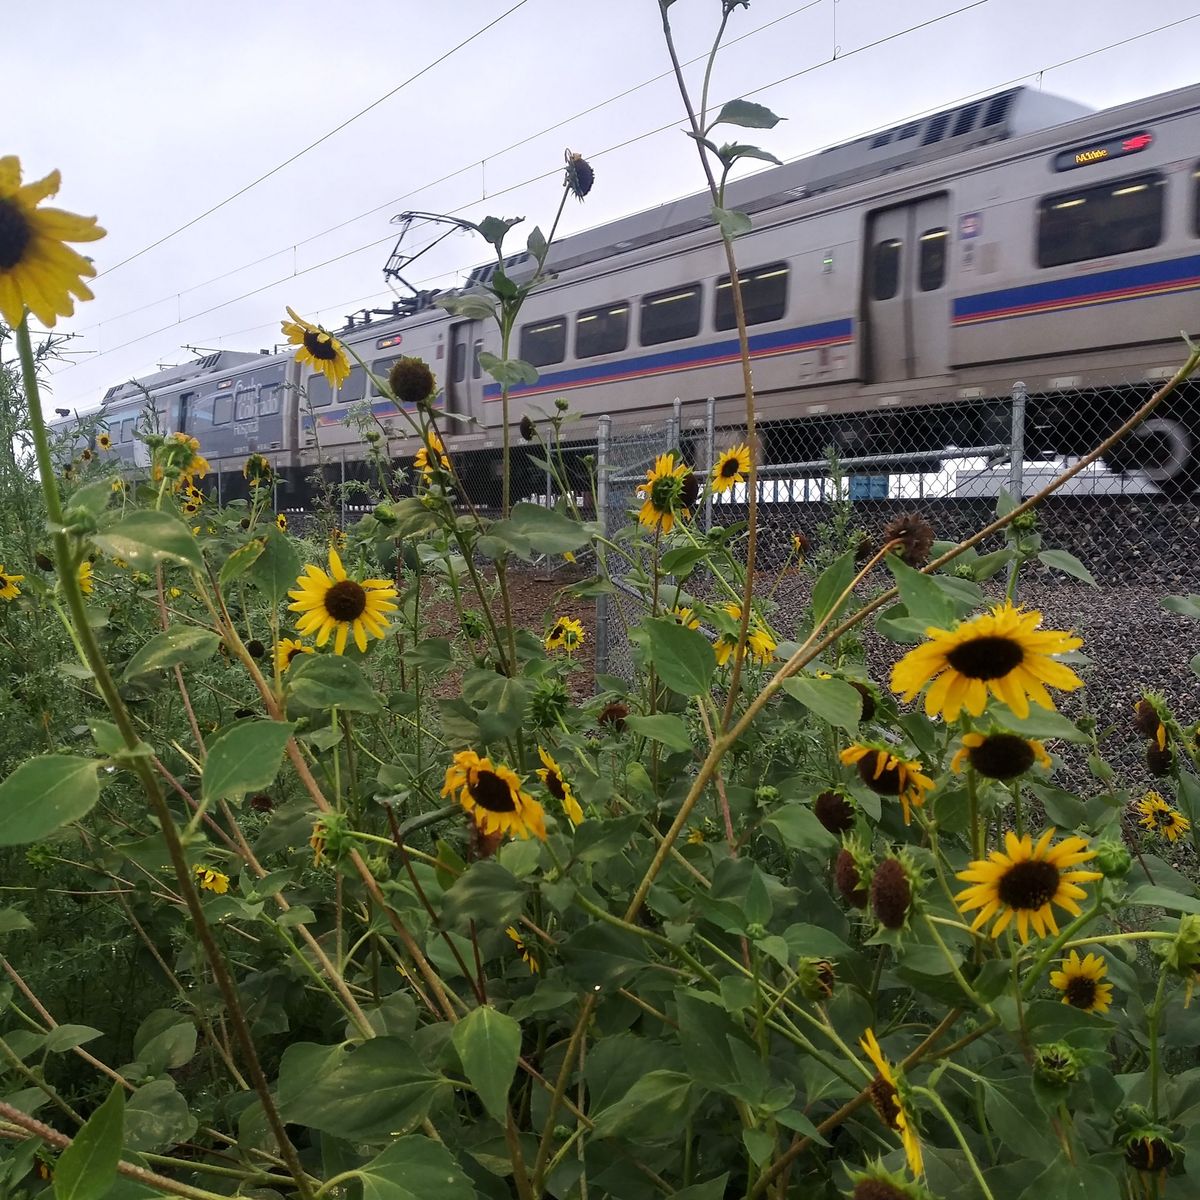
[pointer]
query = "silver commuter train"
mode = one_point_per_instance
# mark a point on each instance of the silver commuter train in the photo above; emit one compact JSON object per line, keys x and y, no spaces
{"x":893,"y":285}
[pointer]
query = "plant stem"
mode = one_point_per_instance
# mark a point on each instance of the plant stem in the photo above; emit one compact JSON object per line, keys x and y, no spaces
{"x":936,"y":1101}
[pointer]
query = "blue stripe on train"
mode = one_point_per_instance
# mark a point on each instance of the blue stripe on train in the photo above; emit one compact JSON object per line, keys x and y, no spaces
{"x":1103,"y":287}
{"x":761,"y":345}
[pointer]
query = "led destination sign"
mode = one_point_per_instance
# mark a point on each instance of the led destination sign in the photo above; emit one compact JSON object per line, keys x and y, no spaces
{"x":1097,"y":152}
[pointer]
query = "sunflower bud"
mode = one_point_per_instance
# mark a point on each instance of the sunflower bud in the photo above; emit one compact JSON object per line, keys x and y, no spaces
{"x":549,"y":703}
{"x":835,"y":812}
{"x":1026,"y":522}
{"x":1149,"y":1148}
{"x":528,"y":428}
{"x":579,"y":175}
{"x":817,"y":976}
{"x":561,"y":403}
{"x":766,"y":794}
{"x":385,"y":513}
{"x":1182,"y":954}
{"x":756,"y":930}
{"x":411,"y":380}
{"x":1056,"y":1064}
{"x":891,"y":894}
{"x":1112,"y":858}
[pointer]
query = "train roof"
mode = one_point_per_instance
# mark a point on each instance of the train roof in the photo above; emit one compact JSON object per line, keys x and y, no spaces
{"x":208,"y":364}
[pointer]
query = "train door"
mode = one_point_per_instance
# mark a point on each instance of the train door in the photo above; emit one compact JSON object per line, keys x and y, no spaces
{"x":463,"y":385}
{"x":184,"y":418}
{"x":904,"y":285}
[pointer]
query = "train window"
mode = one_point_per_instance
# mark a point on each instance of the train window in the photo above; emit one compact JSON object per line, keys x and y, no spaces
{"x":458,"y":361}
{"x":269,"y":399}
{"x":320,"y":394}
{"x":544,"y":342}
{"x":670,"y":316}
{"x":354,"y":387}
{"x":885,"y":269}
{"x":764,"y":296}
{"x":202,"y":412}
{"x":244,"y":404}
{"x":602,"y":331}
{"x":1196,"y":213}
{"x":1117,"y":217}
{"x":476,"y":368}
{"x":127,"y":429}
{"x":381,"y":368}
{"x":222,"y":408}
{"x":931,"y":259}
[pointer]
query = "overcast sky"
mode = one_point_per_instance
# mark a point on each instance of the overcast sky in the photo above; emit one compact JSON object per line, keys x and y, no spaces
{"x":156,"y":110}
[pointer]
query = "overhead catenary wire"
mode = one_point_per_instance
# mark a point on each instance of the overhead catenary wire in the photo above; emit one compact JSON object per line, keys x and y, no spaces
{"x":841,"y":56}
{"x":314,"y":144}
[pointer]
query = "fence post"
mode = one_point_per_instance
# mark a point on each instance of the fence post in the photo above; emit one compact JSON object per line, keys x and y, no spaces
{"x":1016,"y":462}
{"x":673,"y":424}
{"x":603,"y":431}
{"x":710,"y":456}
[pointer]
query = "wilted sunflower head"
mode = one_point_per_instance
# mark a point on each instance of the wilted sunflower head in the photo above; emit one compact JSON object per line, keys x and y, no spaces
{"x":528,"y":428}
{"x":257,"y":471}
{"x":1159,"y":762}
{"x":834,"y":810}
{"x":892,"y":893}
{"x":689,"y":490}
{"x":411,"y":380}
{"x":852,"y":872}
{"x":915,"y":535}
{"x":1149,"y":1148}
{"x":877,"y":1183}
{"x":579,"y":175}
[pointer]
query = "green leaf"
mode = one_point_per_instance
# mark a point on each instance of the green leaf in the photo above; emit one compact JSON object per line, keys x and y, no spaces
{"x":799,"y":828}
{"x":165,"y":1040}
{"x":93,"y":497}
{"x":656,"y":1107}
{"x":415,"y":1168}
{"x":683,"y":658}
{"x":175,"y":647}
{"x":531,"y":530}
{"x":146,"y":537}
{"x":87,"y":1168}
{"x":730,"y":152}
{"x":602,"y":956}
{"x":747,"y":114}
{"x":493,"y":229}
{"x":834,"y":580}
{"x":536,"y":244}
{"x":489,"y":1044}
{"x":13,"y":921}
{"x":1160,"y":897}
{"x":682,"y":561}
{"x":486,"y":891}
{"x":597,"y":840}
{"x":277,"y":568}
{"x":508,"y":372}
{"x":669,"y":730}
{"x":244,"y":759}
{"x":923,"y":595}
{"x":1186,"y":606}
{"x":833,"y":700}
{"x":45,"y":793}
{"x":240,"y":561}
{"x":67,"y":1037}
{"x":474,"y":306}
{"x":732,"y":222}
{"x":1195,"y":665}
{"x":372,"y":1093}
{"x":157,"y":1117}
{"x":1041,"y":723}
{"x":325,"y":680}
{"x":1061,"y":560}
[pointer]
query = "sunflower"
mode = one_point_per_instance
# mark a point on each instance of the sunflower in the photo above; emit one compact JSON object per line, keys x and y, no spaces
{"x":256,"y":471}
{"x":1000,"y":651}
{"x":890,"y":775}
{"x":334,"y":601}
{"x":732,"y":467}
{"x":84,"y":575}
{"x":210,"y":880}
{"x":1156,"y":815}
{"x":104,"y":441}
{"x":287,"y":650}
{"x":999,"y":755}
{"x":431,"y":455}
{"x":876,"y":1183}
{"x":318,"y":348}
{"x":281,"y":522}
{"x":885,"y":1096}
{"x":492,"y":795}
{"x":685,"y":617}
{"x":663,"y":492}
{"x":1025,"y":882}
{"x":550,"y":773}
{"x":37,"y":268}
{"x":119,"y":485}
{"x":8,"y":584}
{"x":565,"y":634}
{"x":523,"y":949}
{"x":760,"y":645}
{"x":1079,"y":982}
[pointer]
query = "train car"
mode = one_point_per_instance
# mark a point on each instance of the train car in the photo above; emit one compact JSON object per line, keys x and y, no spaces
{"x":894,"y":288}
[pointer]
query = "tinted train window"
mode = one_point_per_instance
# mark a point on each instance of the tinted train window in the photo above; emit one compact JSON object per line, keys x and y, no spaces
{"x":1117,"y":217}
{"x":222,"y":408}
{"x":544,"y":342}
{"x":202,"y":412}
{"x":458,"y":362}
{"x":381,"y":368}
{"x":355,"y":386}
{"x":1196,"y":210}
{"x":670,"y":316}
{"x":764,"y":296}
{"x":269,"y":399}
{"x":127,"y":429}
{"x":885,"y":269}
{"x":319,"y":392}
{"x":602,"y":331}
{"x":931,"y":259}
{"x":244,"y":404}
{"x":476,"y":368}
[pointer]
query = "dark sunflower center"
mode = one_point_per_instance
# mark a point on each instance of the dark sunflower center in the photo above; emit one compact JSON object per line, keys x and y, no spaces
{"x":293,"y":651}
{"x":1002,"y":756}
{"x":1081,"y":992}
{"x":986,"y":657}
{"x":557,"y":632}
{"x":1163,"y":818}
{"x":883,"y":1096}
{"x":491,"y":792}
{"x":664,"y":492}
{"x":15,"y":234}
{"x":346,"y":600}
{"x":554,"y":785}
{"x":1029,"y":885}
{"x":877,"y":1189}
{"x":730,"y":467}
{"x":889,"y":782}
{"x":319,"y":347}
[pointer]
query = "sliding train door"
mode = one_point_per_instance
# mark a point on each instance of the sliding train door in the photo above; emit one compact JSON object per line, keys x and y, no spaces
{"x":904,"y":290}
